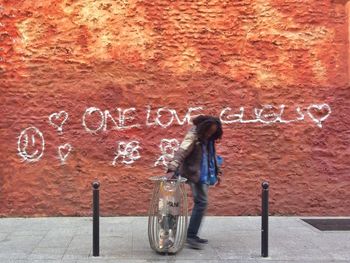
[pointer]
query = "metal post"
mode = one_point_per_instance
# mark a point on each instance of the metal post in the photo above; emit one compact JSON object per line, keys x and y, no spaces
{"x":265,"y":220}
{"x":95,"y":219}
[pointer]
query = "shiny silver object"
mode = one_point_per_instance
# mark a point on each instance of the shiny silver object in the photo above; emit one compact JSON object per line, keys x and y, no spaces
{"x":167,"y":221}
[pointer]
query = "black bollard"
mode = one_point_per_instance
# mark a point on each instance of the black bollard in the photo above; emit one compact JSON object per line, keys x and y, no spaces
{"x":265,"y":220}
{"x":95,"y":219}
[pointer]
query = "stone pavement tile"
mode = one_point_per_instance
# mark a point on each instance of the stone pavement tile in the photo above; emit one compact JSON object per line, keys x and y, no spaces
{"x":13,"y":255}
{"x":226,"y":233}
{"x":72,"y":220}
{"x":28,"y":232}
{"x":207,"y":253}
{"x":339,"y":240}
{"x":201,"y":261}
{"x":110,"y":229}
{"x":3,"y":235}
{"x":120,"y":219}
{"x":238,"y":247}
{"x":75,"y":258}
{"x":63,"y":231}
{"x":55,"y":241}
{"x":116,"y":230}
{"x":97,"y":260}
{"x":150,"y":255}
{"x":300,"y":254}
{"x":340,"y":254}
{"x":8,"y":225}
{"x":32,"y":261}
{"x":292,"y":231}
{"x":83,"y":230}
{"x":82,"y":251}
{"x":119,"y":254}
{"x":80,"y":247}
{"x":222,"y":224}
{"x":239,"y":240}
{"x":139,"y":228}
{"x":47,"y":253}
{"x":285,"y":220}
{"x":264,"y":260}
{"x":116,"y":243}
{"x":322,"y":242}
{"x":246,"y":260}
{"x":291,"y":243}
{"x":19,"y":243}
{"x":38,"y":224}
{"x":253,"y":223}
{"x":111,"y":254}
{"x":238,"y":261}
{"x":111,"y":260}
{"x":79,"y":241}
{"x":12,"y":220}
{"x":77,"y":254}
{"x":235,"y":254}
{"x":116,"y":246}
{"x":141,"y":244}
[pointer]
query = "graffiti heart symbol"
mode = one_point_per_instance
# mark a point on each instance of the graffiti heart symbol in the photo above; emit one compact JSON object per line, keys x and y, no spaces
{"x":319,"y":113}
{"x":57,"y":120}
{"x":63,"y":151}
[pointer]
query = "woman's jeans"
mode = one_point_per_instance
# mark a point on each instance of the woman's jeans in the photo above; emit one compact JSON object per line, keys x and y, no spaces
{"x":200,"y":198}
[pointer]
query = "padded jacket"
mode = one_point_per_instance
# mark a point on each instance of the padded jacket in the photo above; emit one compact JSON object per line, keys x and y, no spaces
{"x":187,"y":159}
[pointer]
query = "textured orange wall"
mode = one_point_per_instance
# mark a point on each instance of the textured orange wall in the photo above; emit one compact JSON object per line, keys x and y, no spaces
{"x":241,"y":59}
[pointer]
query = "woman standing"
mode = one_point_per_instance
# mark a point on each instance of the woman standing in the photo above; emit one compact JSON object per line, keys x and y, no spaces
{"x":196,"y":160}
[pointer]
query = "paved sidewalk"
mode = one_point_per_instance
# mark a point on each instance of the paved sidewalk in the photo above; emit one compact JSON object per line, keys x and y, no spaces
{"x":124,"y":239}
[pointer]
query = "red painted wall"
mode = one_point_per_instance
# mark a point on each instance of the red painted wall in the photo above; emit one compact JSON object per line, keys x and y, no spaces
{"x":229,"y":58}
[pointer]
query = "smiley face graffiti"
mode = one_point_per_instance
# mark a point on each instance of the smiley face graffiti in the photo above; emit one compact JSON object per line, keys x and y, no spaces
{"x":31,"y":144}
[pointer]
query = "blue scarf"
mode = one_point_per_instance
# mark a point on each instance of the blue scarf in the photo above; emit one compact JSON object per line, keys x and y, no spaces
{"x":208,"y":170}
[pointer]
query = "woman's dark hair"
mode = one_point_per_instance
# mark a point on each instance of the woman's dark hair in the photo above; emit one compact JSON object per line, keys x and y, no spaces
{"x":203,"y":124}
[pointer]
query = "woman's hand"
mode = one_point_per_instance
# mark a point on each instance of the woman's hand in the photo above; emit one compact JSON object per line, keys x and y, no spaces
{"x":218,"y":183}
{"x":170,"y":175}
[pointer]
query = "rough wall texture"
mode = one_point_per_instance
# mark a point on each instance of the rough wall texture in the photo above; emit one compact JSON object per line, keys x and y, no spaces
{"x":119,"y":73}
